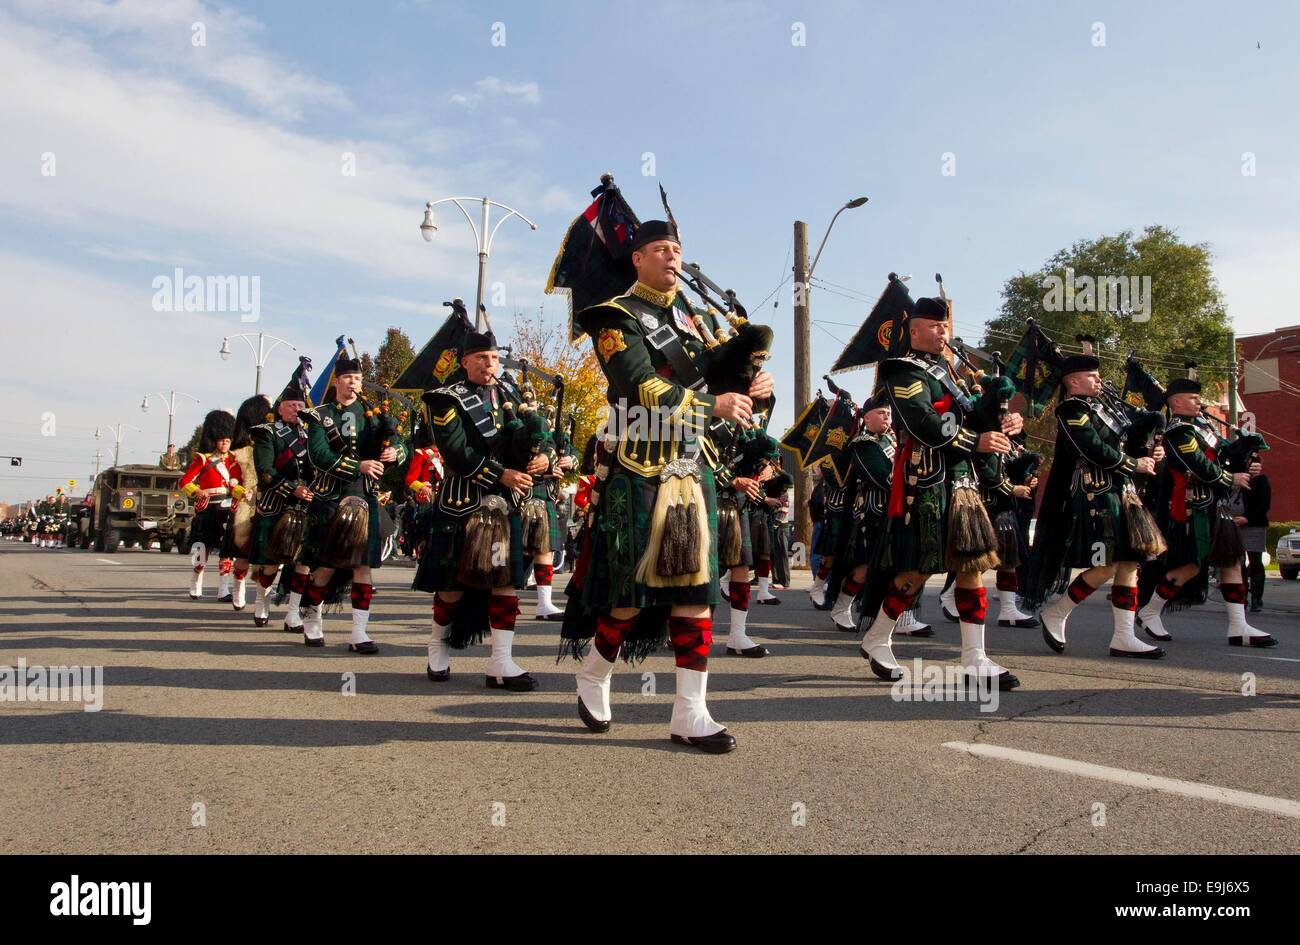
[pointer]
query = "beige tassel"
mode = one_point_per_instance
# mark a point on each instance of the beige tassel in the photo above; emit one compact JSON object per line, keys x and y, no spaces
{"x":972,"y":543}
{"x":679,"y":531}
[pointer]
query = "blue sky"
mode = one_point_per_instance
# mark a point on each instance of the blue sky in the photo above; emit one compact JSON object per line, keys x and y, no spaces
{"x":225,"y":159}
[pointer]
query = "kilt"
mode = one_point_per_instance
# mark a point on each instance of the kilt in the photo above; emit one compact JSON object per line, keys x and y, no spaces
{"x":261,"y":537}
{"x":446,"y":545}
{"x":760,"y":534}
{"x":832,"y":531}
{"x":321,"y":512}
{"x":622,"y":532}
{"x":210,"y":527}
{"x":1097,"y":532}
{"x":866,"y":540}
{"x":918,"y":543}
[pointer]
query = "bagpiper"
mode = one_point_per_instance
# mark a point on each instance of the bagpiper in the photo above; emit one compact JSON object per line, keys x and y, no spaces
{"x":212,"y":482}
{"x":348,"y":442}
{"x":652,"y":566}
{"x":473,"y":562}
{"x":1200,"y":535}
{"x":284,"y":476}
{"x":1091,"y":519}
{"x":936,"y":519}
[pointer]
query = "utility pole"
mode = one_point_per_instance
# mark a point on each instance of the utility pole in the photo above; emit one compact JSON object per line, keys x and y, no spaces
{"x":802,"y":379}
{"x":1232,"y":377}
{"x":97,"y":455}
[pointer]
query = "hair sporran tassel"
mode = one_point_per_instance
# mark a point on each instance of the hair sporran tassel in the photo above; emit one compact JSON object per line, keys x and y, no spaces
{"x":1143,"y":534}
{"x":972,"y":543}
{"x":535,"y":528}
{"x":347,"y":537}
{"x":676,"y":554}
{"x":485,"y":563}
{"x":730,"y":538}
{"x":1008,"y":533}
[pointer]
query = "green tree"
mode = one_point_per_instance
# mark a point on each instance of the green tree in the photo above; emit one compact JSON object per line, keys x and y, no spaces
{"x":1184,"y":318}
{"x":395,"y":353}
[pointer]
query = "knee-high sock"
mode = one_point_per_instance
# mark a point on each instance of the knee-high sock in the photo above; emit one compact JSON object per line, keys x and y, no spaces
{"x":444,"y":611}
{"x":297,"y":588}
{"x":691,"y":638}
{"x":972,"y":609}
{"x":362,"y":594}
{"x":313,"y":623}
{"x":1124,"y":602}
{"x":849,"y":591}
{"x":502,"y":611}
{"x":610,"y":632}
{"x":878,"y":639}
{"x":738,"y":598}
{"x":1234,"y":601}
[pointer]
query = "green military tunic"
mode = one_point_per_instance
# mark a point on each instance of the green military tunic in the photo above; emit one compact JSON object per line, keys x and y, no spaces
{"x":338,"y":439}
{"x":744,"y":462}
{"x":932,"y":411}
{"x":654,"y":362}
{"x":1188,"y":491}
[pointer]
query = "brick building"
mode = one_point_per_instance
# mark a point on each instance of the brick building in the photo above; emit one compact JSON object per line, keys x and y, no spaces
{"x":1270,"y":390}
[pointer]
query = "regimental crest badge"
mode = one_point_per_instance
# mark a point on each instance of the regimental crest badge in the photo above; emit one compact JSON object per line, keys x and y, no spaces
{"x":610,"y":342}
{"x":650,"y":322}
{"x":837,"y":438}
{"x":447,"y":363}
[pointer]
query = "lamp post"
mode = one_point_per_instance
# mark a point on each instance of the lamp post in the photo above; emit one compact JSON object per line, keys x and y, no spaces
{"x":260,"y":351}
{"x":802,"y":354}
{"x":170,"y":400}
{"x":483,"y":237}
{"x":117,"y":439}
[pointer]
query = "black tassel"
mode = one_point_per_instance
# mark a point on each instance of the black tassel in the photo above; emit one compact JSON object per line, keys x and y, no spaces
{"x":1008,"y":534}
{"x":1143,"y":534}
{"x":730,"y":538}
{"x":972,"y":543}
{"x":348,"y":535}
{"x":485,"y":562}
{"x":672,"y":553}
{"x":691,"y":542}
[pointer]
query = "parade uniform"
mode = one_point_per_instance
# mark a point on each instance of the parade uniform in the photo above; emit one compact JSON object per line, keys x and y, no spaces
{"x":1192,"y":483}
{"x":339,"y":438}
{"x":212,"y":482}
{"x":997,"y":488}
{"x":474,"y":546}
{"x":654,"y":541}
{"x":1082,"y":521}
{"x":423,"y":478}
{"x":937,"y":423}
{"x":740,"y":521}
{"x":862,"y":521}
{"x":283,"y":466}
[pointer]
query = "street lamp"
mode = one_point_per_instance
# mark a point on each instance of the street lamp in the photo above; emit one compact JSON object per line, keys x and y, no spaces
{"x":851,"y":205}
{"x":260,"y":352}
{"x":117,"y":439}
{"x":170,"y":400}
{"x":483,"y":237}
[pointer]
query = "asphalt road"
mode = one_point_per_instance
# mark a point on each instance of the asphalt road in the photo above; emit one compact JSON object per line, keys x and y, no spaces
{"x":245,"y":732}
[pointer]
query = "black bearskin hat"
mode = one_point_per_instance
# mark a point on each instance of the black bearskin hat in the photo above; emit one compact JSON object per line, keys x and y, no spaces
{"x":217,"y":425}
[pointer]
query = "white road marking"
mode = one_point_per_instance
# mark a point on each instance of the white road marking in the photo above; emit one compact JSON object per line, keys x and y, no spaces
{"x":1205,"y":792}
{"x":108,"y":561}
{"x":1254,"y":656}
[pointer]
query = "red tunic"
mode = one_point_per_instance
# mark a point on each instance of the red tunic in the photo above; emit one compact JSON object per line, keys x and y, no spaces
{"x":425,"y":470}
{"x":203,"y":474}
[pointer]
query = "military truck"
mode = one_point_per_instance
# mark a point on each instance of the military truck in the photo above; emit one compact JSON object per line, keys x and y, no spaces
{"x":138,"y":505}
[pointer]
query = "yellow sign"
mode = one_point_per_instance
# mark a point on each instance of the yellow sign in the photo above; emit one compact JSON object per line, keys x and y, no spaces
{"x":128,"y":503}
{"x":72,"y":483}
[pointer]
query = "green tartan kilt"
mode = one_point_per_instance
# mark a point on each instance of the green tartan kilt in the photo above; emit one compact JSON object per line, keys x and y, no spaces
{"x":1189,"y":541}
{"x":866,"y":540}
{"x":760,"y":534}
{"x":828,"y":539}
{"x":1098,"y":531}
{"x":446,"y":544}
{"x":321,"y":512}
{"x":917,"y":542}
{"x":262,"y":525}
{"x":622,"y":532}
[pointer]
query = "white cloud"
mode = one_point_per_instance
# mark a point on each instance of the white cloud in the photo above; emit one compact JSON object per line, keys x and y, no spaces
{"x":492,"y":87}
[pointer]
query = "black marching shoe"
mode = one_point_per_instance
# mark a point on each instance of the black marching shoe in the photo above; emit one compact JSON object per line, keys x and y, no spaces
{"x":920,"y":630}
{"x":288,"y":629}
{"x":1026,"y":622}
{"x":593,"y":724}
{"x":948,"y":615}
{"x":1057,"y":645}
{"x":520,"y":683}
{"x":261,"y":621}
{"x":437,"y":675}
{"x":1006,"y":681}
{"x":717,"y":744}
{"x":1265,"y":640}
{"x":757,"y":651}
{"x":1154,"y":654}
{"x":1158,"y":637}
{"x":312,"y":641}
{"x":770,"y":601}
{"x":880,"y":669}
{"x":368,"y":648}
{"x":225,"y":599}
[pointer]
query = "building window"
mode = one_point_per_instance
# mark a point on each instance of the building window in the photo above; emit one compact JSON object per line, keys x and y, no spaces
{"x":1260,"y":377}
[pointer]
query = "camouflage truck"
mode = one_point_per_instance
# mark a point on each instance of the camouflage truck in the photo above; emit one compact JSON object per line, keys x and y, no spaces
{"x":138,"y":505}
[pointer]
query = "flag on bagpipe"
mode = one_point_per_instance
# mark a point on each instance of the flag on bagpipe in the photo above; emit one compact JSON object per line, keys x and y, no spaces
{"x":1035,"y":367}
{"x":438,"y":363}
{"x":594,"y":262}
{"x":320,"y":390}
{"x":1140,"y":388}
{"x":881,"y":335}
{"x":835,"y":432}
{"x":799,"y":438}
